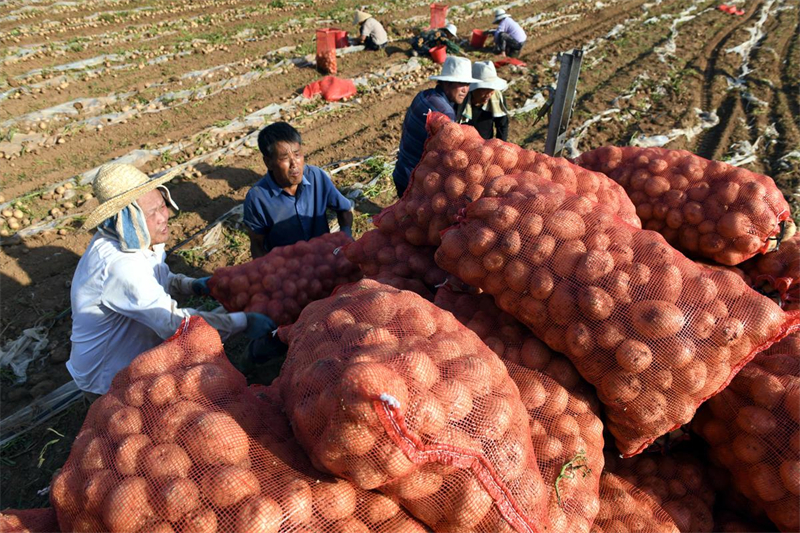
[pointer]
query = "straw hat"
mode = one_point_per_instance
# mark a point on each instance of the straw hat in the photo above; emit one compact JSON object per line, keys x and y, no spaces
{"x":361,"y":16}
{"x":119,"y":185}
{"x":456,"y":69}
{"x":487,"y":77}
{"x":500,"y":14}
{"x":452,"y":29}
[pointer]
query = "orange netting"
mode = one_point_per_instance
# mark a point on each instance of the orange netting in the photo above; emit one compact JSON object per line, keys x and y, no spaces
{"x":679,"y":484}
{"x":567,"y":438}
{"x":29,"y":521}
{"x":753,"y":430}
{"x":655,"y":333}
{"x":626,"y":509}
{"x":456,"y":166}
{"x":778,"y":272}
{"x":286,"y":279}
{"x":701,"y":207}
{"x":384,"y":388}
{"x":179,"y":443}
{"x":378,"y":253}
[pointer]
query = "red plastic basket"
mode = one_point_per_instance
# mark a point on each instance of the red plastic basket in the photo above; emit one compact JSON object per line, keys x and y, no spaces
{"x":478,"y":38}
{"x":438,"y":15}
{"x":340,"y":37}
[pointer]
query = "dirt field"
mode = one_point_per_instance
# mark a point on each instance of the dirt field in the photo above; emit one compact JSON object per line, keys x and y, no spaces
{"x":188,"y":83}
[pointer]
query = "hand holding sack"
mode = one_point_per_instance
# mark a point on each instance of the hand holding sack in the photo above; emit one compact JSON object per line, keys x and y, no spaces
{"x":623,"y":507}
{"x":655,"y":333}
{"x":753,"y":429}
{"x":385,"y":389}
{"x":456,"y":166}
{"x":778,"y":273}
{"x":286,"y":279}
{"x":701,"y":207}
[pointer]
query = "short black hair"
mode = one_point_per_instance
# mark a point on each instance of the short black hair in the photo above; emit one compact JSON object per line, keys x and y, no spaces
{"x":275,"y":133}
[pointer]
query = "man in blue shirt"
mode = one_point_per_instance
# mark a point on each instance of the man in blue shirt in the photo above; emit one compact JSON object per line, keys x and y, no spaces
{"x":289,"y":203}
{"x":451,"y":89}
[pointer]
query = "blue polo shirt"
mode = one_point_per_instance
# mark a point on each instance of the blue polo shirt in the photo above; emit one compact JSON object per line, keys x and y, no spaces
{"x":285,"y":219}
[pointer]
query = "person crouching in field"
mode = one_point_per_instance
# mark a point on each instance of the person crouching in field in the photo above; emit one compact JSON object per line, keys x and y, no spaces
{"x":122,"y":289}
{"x":371,"y":32}
{"x":509,"y":37}
{"x":485,"y":107}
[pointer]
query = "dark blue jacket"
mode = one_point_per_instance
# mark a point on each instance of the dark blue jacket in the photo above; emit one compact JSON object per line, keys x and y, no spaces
{"x":414,"y":133}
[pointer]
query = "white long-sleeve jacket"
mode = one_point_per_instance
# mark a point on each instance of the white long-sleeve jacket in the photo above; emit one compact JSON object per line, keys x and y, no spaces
{"x":122,"y":306}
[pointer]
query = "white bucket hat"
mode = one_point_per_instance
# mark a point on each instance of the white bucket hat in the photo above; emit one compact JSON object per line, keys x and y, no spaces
{"x":487,"y":77}
{"x":456,"y":69}
{"x":452,"y":29}
{"x":118,"y":185}
{"x":500,"y":14}
{"x":360,"y":16}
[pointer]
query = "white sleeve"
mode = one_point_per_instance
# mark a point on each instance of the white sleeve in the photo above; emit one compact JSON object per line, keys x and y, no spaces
{"x":180,"y":285}
{"x":132,"y":291}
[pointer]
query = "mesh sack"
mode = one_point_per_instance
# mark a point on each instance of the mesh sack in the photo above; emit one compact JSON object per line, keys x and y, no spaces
{"x":456,"y":165}
{"x":778,"y":273}
{"x":29,"y":521}
{"x":726,"y":521}
{"x":286,"y":279}
{"x":652,"y":331}
{"x":511,"y":340}
{"x":218,"y":458}
{"x":752,"y":430}
{"x":567,"y":438}
{"x":385,"y":389}
{"x":678,"y":483}
{"x":404,"y":284}
{"x":706,"y":208}
{"x":326,"y":51}
{"x":379,"y":253}
{"x":626,"y":509}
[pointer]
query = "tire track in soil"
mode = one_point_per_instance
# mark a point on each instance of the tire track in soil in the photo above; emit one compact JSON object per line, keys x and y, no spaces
{"x":715,"y":140}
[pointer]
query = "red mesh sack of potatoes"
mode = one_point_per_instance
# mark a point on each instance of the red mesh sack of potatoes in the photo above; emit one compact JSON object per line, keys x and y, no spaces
{"x":286,"y":279}
{"x":180,"y":444}
{"x":404,"y":284}
{"x":626,"y":509}
{"x":389,"y":391}
{"x":456,"y":165}
{"x":778,"y":273}
{"x":510,"y":339}
{"x":705,"y":208}
{"x":567,"y":438}
{"x":678,"y":483}
{"x":652,"y":331}
{"x":380,"y":253}
{"x":752,"y":428}
{"x":29,"y":521}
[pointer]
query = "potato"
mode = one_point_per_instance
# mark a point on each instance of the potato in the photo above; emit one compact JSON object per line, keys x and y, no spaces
{"x":417,"y":485}
{"x":166,"y":461}
{"x":471,"y":504}
{"x":380,"y":508}
{"x":634,"y":356}
{"x":126,"y":508}
{"x":259,"y":515}
{"x":136,"y":393}
{"x":96,"y":488}
{"x":334,"y":500}
{"x":595,"y":303}
{"x":160,"y":360}
{"x":208,"y":382}
{"x":455,"y":397}
{"x":172,"y":423}
{"x":297,"y":500}
{"x":163,"y":390}
{"x":176,"y":498}
{"x":125,"y":421}
{"x":656,"y":319}
{"x":209,"y":429}
{"x":229,"y":485}
{"x":66,"y":489}
{"x":96,"y":455}
{"x":130,"y":452}
{"x":201,"y":520}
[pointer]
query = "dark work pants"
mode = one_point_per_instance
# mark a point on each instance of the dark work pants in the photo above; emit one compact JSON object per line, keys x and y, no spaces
{"x":503,"y":42}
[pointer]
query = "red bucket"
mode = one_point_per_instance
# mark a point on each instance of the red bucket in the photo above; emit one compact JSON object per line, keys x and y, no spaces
{"x":340,"y":36}
{"x":439,"y":54}
{"x":438,"y":15}
{"x":478,"y":38}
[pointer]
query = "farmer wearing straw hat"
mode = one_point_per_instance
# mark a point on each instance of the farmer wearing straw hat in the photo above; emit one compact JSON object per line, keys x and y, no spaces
{"x":485,"y":107}
{"x":509,"y":37}
{"x":372,"y":35}
{"x":121,"y":290}
{"x":451,"y":89}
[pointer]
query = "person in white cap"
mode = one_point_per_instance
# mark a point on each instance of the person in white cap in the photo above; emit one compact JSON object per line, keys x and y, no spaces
{"x":121,"y":291}
{"x":451,"y":89}
{"x":446,"y":36}
{"x":485,"y":107}
{"x":371,"y":32}
{"x":509,"y":37}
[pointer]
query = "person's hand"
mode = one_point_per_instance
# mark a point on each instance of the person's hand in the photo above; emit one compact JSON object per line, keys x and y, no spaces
{"x":258,"y":325}
{"x":200,"y":286}
{"x":347,"y":230}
